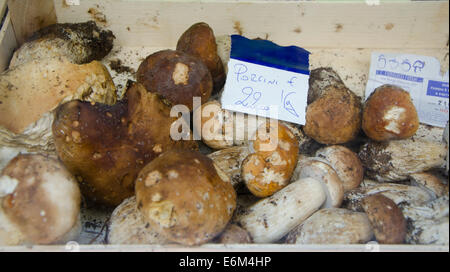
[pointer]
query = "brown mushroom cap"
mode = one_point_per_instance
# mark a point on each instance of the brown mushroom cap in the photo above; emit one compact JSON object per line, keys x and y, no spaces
{"x":45,"y":204}
{"x":176,"y":76}
{"x":389,"y":114}
{"x":386,"y":218}
{"x":267,"y":171}
{"x":199,"y":41}
{"x":105,"y":147}
{"x":185,"y":197}
{"x":233,"y":234}
{"x":346,"y":163}
{"x":334,"y":118}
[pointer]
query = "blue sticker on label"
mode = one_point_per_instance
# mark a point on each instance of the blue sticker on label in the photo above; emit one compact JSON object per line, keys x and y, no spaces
{"x":267,"y":53}
{"x":437,"y":88}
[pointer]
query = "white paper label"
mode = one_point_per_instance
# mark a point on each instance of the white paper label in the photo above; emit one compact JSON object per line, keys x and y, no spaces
{"x":420,"y":76}
{"x":266,"y":91}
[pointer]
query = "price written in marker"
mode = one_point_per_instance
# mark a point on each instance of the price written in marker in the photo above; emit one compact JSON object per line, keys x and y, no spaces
{"x":260,"y":87}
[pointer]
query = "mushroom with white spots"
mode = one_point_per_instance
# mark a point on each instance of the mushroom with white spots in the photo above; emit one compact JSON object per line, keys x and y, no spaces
{"x":184,"y":201}
{"x":389,"y":114}
{"x":105,"y":146}
{"x":177,"y":76}
{"x":39,"y":202}
{"x":270,"y":167}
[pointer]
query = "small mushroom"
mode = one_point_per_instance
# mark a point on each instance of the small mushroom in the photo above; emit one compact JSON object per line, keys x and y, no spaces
{"x":176,"y":76}
{"x":233,"y":234}
{"x":220,"y":128}
{"x":199,"y":41}
{"x":389,"y":114}
{"x":346,"y":163}
{"x":326,"y":175}
{"x":271,"y":218}
{"x":40,"y":202}
{"x":185,"y":197}
{"x":387,"y":220}
{"x":127,"y":226}
{"x":270,"y":167}
{"x":332,"y":226}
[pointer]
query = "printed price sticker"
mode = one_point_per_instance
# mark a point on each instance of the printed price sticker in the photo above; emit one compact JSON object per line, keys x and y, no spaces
{"x":267,"y":80}
{"x":420,"y":76}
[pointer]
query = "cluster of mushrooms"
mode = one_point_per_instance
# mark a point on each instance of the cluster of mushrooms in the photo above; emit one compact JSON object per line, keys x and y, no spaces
{"x":356,"y":172}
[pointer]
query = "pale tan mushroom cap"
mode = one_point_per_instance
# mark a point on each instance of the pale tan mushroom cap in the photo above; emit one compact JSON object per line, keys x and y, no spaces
{"x":332,"y":226}
{"x":431,"y":183}
{"x":320,"y":171}
{"x":185,"y":197}
{"x":45,"y":205}
{"x":346,"y":163}
{"x":127,"y":226}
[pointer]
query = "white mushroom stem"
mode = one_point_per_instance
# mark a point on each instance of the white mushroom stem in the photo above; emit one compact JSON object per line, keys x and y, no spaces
{"x":272,"y":218}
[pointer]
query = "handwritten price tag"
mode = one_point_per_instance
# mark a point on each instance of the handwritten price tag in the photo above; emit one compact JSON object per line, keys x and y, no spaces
{"x":262,"y":82}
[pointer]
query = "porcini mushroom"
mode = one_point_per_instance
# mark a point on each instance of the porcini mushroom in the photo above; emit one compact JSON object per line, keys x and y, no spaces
{"x":345,"y":162}
{"x":267,"y":170}
{"x":387,"y":220}
{"x":332,"y":226}
{"x":177,"y":76}
{"x":389,"y":114}
{"x":105,"y":147}
{"x":199,"y":41}
{"x":185,"y":197}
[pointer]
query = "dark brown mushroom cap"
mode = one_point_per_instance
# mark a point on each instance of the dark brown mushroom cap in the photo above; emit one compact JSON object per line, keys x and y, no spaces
{"x":45,"y":204}
{"x":176,"y":76}
{"x":386,"y":218}
{"x":199,"y":41}
{"x":105,"y":147}
{"x":185,"y":197}
{"x":389,"y":114}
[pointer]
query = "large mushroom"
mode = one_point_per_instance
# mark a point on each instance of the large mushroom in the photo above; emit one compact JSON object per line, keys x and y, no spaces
{"x":105,"y":147}
{"x":185,"y":197}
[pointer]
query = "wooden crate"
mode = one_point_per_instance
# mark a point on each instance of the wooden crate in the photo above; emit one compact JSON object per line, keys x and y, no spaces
{"x":340,"y":34}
